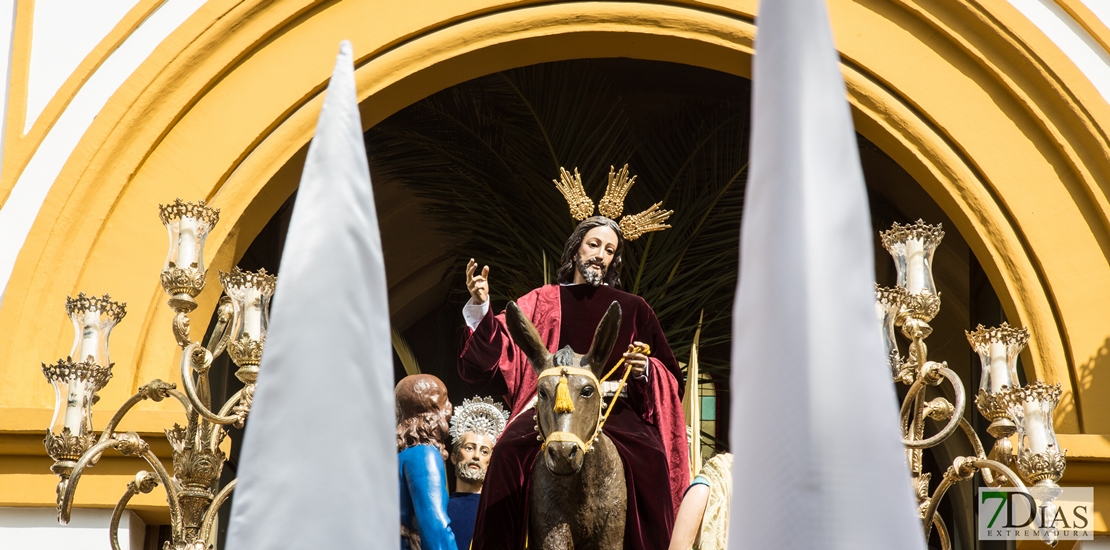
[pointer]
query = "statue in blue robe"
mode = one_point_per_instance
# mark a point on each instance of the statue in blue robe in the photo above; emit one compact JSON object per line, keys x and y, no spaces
{"x":423,"y":412}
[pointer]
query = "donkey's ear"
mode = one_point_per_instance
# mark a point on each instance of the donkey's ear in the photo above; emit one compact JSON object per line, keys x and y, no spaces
{"x":526,"y":337}
{"x":604,"y":338}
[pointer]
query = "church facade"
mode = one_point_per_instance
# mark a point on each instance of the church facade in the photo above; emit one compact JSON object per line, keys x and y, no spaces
{"x":998,"y":111}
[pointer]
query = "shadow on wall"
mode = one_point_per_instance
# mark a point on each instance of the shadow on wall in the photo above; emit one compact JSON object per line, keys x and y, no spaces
{"x":1092,"y":380}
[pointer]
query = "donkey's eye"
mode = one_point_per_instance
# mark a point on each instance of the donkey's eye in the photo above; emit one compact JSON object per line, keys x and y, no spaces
{"x":543,"y":394}
{"x":588,"y":392}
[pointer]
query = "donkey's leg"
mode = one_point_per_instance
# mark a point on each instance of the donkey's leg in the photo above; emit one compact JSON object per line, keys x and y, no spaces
{"x":606,"y":496}
{"x":551,"y":510}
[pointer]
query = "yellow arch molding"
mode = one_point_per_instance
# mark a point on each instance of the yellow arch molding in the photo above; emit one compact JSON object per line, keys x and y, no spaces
{"x":20,"y":147}
{"x":1088,"y":20}
{"x":959,"y":94}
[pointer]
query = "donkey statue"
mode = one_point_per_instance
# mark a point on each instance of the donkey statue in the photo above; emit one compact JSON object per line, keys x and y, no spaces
{"x":578,"y":495}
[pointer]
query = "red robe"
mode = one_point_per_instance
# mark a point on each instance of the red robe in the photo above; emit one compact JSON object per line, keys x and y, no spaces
{"x":648,"y":428}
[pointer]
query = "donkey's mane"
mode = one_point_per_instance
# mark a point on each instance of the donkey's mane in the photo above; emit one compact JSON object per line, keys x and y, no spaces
{"x":564,"y":358}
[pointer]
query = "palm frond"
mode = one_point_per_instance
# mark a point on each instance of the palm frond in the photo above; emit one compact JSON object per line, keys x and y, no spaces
{"x":404,"y":352}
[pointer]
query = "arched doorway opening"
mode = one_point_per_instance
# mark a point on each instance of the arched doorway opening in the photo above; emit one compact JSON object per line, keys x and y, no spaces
{"x":467,"y":173}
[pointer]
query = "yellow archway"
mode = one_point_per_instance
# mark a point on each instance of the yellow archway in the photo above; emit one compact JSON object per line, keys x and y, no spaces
{"x":960,"y":95}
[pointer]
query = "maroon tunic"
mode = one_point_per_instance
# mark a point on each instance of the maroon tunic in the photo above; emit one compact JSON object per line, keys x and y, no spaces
{"x":647,"y":428}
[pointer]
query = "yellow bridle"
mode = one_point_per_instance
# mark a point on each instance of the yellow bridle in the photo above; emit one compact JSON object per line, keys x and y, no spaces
{"x":563,"y":402}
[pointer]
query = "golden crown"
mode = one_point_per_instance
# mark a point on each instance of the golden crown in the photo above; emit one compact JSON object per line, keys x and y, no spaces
{"x":612,"y":204}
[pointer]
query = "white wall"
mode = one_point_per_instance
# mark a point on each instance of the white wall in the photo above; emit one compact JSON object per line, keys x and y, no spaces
{"x":1072,"y":38}
{"x":38,"y":529}
{"x":19,"y":211}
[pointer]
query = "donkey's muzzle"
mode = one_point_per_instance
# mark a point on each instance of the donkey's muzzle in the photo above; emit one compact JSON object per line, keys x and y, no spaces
{"x":563,"y":457}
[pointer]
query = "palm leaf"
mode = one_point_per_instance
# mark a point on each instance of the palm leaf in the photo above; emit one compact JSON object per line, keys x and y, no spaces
{"x":404,"y":352}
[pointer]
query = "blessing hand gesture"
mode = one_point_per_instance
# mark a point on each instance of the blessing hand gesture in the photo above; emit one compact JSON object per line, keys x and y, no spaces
{"x":478,"y":285}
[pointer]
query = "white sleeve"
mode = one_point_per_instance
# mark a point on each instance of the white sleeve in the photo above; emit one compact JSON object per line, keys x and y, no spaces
{"x":473,"y":313}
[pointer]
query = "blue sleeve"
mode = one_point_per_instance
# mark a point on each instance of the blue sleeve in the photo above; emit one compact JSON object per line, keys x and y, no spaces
{"x":427,"y":485}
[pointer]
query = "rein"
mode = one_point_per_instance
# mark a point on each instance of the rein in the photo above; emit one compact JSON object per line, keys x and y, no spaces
{"x":564,"y":404}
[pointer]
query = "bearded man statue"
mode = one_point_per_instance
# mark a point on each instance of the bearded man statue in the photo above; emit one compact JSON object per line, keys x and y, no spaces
{"x":475,"y":427}
{"x":423,"y":411}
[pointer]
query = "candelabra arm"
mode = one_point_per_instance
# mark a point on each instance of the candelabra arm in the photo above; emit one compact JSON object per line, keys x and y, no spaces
{"x":188,"y":364}
{"x":977,"y":446}
{"x":65,"y":493}
{"x":216,"y":435}
{"x":173,"y":494}
{"x":961,"y":469}
{"x":129,"y":444}
{"x":225,"y":312}
{"x":985,"y":464}
{"x":942,"y":532}
{"x":156,"y":390}
{"x":117,"y":513}
{"x":214,"y":509}
{"x":956,"y":416}
{"x":144,"y":482}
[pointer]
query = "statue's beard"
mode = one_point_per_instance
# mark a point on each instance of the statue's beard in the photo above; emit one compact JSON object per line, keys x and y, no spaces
{"x":594,"y":278}
{"x":463,"y":471}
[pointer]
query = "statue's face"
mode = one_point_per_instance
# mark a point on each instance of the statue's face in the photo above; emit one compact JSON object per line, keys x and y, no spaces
{"x":472,"y":458}
{"x":595,"y":254}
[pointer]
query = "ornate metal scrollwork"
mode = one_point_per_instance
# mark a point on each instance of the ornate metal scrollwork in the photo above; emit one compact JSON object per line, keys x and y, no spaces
{"x":912,"y":311}
{"x":198,"y":460}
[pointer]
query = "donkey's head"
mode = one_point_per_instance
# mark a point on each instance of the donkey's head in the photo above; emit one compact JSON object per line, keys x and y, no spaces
{"x":568,"y":404}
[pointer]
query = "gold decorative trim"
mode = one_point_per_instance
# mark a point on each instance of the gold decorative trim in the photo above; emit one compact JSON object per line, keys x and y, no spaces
{"x":899,"y":233}
{"x":581,"y":206}
{"x":238,"y":278}
{"x":183,"y":280}
{"x":246,"y":352}
{"x":982,"y":337}
{"x":82,"y":304}
{"x":197,"y":210}
{"x":612,"y":204}
{"x":65,"y":370}
{"x":1048,"y":465}
{"x":635,"y":225}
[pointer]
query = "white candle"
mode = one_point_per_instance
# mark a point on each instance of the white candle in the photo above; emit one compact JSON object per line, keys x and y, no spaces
{"x":252,"y":313}
{"x":1034,"y":428}
{"x":999,"y":367}
{"x":90,"y":336}
{"x":74,"y":406}
{"x":186,"y":242}
{"x":915,"y":266}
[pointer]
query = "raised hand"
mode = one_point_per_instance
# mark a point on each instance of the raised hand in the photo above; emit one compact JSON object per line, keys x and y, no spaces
{"x":478,"y":285}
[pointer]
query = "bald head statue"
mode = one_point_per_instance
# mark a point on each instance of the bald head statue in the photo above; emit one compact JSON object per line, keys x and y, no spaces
{"x":423,"y":412}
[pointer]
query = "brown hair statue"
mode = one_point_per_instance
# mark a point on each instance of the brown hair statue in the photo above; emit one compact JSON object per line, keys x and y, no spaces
{"x":423,"y":413}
